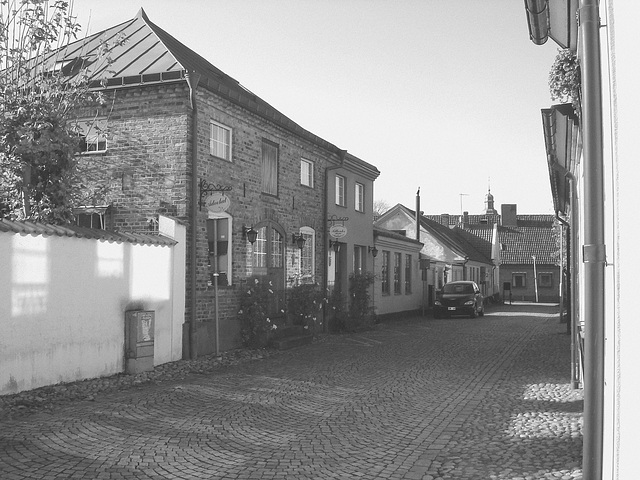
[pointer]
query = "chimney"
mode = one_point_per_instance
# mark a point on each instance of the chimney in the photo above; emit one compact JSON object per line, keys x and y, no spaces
{"x":509,"y":215}
{"x":444,"y":219}
{"x":465,"y":218}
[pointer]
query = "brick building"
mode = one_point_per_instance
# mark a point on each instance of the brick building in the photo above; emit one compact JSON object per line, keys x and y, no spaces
{"x":179,"y":137}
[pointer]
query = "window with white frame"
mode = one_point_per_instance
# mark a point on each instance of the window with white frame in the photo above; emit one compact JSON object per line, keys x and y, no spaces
{"x":545,"y":279}
{"x":91,"y":216}
{"x":397,"y":275}
{"x":93,"y":134}
{"x":308,"y":255}
{"x":518,"y":280}
{"x":220,"y":141}
{"x":220,"y":250}
{"x":359,"y":258}
{"x":340,"y":184}
{"x":359,"y":197}
{"x":407,"y":273}
{"x":269,"y":168}
{"x":386,"y":257}
{"x":306,"y":172}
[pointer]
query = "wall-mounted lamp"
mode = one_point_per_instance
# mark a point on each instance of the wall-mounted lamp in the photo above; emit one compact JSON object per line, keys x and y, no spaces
{"x":250,"y":234}
{"x":335,"y":245}
{"x":298,"y":240}
{"x":373,"y":251}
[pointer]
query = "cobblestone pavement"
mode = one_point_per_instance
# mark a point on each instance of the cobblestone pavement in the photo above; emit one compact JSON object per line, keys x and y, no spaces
{"x":485,"y":398}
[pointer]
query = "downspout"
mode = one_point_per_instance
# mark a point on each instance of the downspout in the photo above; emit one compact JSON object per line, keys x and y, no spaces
{"x":594,"y":255}
{"x":341,"y":155}
{"x":192,"y":79}
{"x":571,"y":321}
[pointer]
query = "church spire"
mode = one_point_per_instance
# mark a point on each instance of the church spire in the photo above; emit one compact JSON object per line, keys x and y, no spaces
{"x":489,"y":209}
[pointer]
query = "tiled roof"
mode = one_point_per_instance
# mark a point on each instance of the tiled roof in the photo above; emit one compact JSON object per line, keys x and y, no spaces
{"x":46,"y":230}
{"x":535,"y":234}
{"x":519,"y":244}
{"x":480,"y":236}
{"x":456,"y":238}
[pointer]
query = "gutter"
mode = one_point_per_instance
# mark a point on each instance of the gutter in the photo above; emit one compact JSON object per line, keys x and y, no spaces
{"x":192,"y":79}
{"x":593,"y":250}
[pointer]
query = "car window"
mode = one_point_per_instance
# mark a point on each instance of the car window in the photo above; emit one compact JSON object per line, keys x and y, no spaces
{"x":458,"y":288}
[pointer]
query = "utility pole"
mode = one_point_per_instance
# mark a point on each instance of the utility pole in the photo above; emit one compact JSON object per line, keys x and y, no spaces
{"x":535,"y":277}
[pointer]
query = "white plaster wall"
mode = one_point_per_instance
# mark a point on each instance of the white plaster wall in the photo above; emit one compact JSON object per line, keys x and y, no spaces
{"x":62,"y":314}
{"x":172,"y":229}
{"x":626,"y":78}
{"x":392,"y":303}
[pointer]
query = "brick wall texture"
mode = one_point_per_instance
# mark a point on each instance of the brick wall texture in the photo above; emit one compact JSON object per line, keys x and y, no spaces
{"x":147,"y":171}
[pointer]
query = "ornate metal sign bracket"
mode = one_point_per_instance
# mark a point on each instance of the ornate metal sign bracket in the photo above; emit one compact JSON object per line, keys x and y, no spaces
{"x":207,"y":188}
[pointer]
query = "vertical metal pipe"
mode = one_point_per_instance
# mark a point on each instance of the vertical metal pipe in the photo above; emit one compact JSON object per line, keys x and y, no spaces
{"x":418,"y":214}
{"x":216,"y":274}
{"x":192,"y":79}
{"x":535,"y":277}
{"x":593,"y":248}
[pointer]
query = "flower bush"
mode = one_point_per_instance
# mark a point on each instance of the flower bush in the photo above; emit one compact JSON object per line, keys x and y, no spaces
{"x":257,"y":326}
{"x":305,"y":305}
{"x":360,"y":308}
{"x":336,"y":317}
{"x":564,"y":79}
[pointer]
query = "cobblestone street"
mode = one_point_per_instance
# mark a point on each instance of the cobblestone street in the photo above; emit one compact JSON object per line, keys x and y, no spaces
{"x":460,"y":398}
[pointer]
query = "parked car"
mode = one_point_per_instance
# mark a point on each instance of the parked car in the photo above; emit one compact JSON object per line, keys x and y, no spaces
{"x":459,"y":298}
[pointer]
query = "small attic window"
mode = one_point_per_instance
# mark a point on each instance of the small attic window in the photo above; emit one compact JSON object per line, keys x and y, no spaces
{"x":67,"y":66}
{"x":484,"y":221}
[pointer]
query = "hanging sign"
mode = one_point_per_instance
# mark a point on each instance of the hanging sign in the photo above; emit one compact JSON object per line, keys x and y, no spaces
{"x":338,"y":231}
{"x":217,"y":202}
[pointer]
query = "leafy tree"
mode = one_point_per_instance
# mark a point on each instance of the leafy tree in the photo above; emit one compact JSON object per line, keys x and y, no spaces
{"x":39,"y":95}
{"x":380,"y":207}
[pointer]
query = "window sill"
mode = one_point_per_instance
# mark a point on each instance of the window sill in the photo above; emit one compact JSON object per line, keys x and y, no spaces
{"x":228,"y":160}
{"x":94,"y":153}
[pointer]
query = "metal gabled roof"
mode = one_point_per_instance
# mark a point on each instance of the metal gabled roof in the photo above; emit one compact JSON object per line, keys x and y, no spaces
{"x":143,"y":53}
{"x":47,"y":230}
{"x":136,"y":50}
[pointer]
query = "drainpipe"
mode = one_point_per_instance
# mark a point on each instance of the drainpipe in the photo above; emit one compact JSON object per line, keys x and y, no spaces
{"x":341,"y":155}
{"x":571,"y":321}
{"x":594,"y":255}
{"x":192,"y":79}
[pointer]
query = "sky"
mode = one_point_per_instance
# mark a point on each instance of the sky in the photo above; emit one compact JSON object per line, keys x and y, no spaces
{"x":441,"y":95}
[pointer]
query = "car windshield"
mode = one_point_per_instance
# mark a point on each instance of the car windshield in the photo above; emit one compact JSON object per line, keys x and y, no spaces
{"x":458,"y":288}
